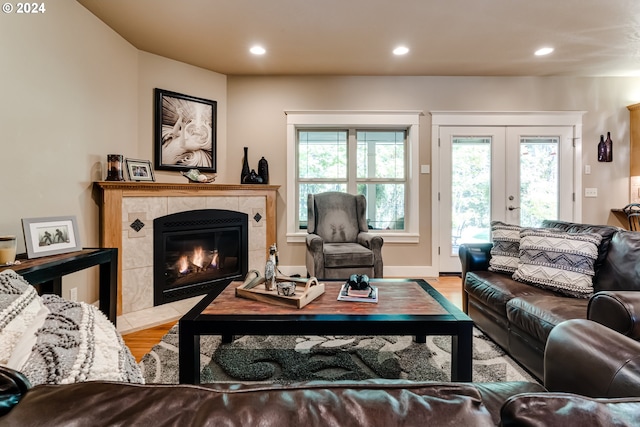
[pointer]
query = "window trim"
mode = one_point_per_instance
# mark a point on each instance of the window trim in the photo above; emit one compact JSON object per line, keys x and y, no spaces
{"x":358,"y":119}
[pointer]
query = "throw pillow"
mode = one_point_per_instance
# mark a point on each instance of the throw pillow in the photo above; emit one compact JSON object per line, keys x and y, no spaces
{"x":558,"y":261}
{"x":20,"y":307}
{"x":76,"y":343}
{"x":505,"y":252}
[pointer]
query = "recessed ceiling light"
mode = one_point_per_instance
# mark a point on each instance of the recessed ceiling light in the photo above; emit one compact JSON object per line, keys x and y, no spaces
{"x":544,"y":51}
{"x":401,"y":50}
{"x":257,"y":50}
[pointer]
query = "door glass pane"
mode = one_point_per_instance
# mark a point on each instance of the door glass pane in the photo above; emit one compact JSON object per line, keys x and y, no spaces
{"x":470,"y":191}
{"x":539,"y":170}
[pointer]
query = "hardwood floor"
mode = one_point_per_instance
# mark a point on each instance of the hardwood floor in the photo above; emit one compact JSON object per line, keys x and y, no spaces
{"x":142,"y":341}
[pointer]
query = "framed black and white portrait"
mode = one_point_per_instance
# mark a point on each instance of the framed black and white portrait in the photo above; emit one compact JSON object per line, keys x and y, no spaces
{"x":185,"y":132}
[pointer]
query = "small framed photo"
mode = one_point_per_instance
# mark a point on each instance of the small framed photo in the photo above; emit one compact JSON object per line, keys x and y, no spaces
{"x":139,"y":170}
{"x":185,"y":132}
{"x":50,"y":236}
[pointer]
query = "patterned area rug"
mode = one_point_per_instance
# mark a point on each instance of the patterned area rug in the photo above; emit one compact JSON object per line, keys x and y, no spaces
{"x":287,"y":359}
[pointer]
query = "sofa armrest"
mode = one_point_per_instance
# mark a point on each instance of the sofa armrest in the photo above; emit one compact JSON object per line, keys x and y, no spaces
{"x":474,"y":257}
{"x":13,"y":385}
{"x":585,"y":357}
{"x":617,"y":310}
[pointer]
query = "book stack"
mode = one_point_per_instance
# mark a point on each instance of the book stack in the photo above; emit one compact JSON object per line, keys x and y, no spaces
{"x":357,"y":295}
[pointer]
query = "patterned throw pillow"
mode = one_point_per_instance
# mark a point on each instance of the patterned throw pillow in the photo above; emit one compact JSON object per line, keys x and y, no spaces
{"x":558,"y":261}
{"x":20,"y":306}
{"x":505,"y":252}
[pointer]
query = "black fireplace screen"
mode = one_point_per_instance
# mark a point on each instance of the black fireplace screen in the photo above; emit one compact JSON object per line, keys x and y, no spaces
{"x":195,"y":251}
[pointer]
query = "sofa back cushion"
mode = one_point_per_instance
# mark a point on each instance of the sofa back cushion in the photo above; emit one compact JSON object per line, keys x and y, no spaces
{"x":620,"y":270}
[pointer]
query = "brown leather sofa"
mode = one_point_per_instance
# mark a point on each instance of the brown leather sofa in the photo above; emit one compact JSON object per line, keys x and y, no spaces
{"x":582,"y":358}
{"x":519,"y":317}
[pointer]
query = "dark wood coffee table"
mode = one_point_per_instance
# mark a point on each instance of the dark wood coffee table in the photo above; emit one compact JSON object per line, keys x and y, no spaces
{"x":405,"y":307}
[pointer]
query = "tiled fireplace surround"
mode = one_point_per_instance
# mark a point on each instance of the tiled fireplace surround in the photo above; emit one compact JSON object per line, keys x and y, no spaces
{"x":123,"y":203}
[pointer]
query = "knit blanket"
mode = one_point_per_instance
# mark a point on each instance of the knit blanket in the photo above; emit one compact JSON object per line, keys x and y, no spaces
{"x":64,"y":342}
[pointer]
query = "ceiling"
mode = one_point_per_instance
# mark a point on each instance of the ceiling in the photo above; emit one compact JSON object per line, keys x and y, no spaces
{"x":356,"y":37}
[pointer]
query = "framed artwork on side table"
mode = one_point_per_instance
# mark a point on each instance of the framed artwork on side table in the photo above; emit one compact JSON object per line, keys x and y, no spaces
{"x":51,"y":235}
{"x":185,"y":132}
{"x":139,"y":170}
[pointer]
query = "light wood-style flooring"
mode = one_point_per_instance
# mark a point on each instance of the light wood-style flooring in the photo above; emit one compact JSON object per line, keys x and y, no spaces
{"x":141,"y":342}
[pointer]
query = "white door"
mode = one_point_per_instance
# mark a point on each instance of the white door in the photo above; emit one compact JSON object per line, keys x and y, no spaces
{"x":519,"y":175}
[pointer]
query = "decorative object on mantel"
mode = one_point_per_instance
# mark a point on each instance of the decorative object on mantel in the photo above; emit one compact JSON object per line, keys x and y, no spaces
{"x":195,"y":176}
{"x":263,"y":170}
{"x":185,"y":132}
{"x":114,"y":167}
{"x":249,"y":176}
{"x":139,"y":170}
{"x":605,"y":149}
{"x":245,"y":167}
{"x":304,"y":290}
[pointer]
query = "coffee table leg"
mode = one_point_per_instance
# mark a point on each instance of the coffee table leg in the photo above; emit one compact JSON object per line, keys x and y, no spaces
{"x":189,"y":355}
{"x":226,"y":338}
{"x":462,"y":354}
{"x":420,"y":339}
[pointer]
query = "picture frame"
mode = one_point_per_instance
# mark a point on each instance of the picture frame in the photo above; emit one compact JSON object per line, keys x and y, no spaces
{"x":50,"y":235}
{"x":139,"y":170}
{"x":184,"y":132}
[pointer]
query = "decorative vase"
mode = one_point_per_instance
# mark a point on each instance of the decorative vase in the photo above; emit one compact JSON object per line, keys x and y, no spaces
{"x":263,"y":170}
{"x":245,"y":167}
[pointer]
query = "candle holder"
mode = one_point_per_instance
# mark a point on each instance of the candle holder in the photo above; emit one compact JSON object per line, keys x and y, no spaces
{"x":114,"y":167}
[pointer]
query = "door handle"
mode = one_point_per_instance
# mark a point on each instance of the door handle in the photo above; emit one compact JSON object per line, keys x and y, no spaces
{"x":512,"y":208}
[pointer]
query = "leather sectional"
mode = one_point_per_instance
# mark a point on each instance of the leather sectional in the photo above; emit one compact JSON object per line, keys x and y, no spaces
{"x":519,"y":316}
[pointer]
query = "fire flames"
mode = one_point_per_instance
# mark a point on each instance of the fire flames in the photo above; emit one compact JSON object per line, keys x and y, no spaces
{"x":197,"y":261}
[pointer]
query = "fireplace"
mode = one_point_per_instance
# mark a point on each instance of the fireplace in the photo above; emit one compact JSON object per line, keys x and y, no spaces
{"x":196,"y":251}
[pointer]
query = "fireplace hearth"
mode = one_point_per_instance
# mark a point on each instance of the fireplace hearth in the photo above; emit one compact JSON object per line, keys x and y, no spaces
{"x":196,"y":251}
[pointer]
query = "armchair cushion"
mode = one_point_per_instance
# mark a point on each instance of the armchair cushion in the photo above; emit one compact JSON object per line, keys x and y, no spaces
{"x":337,"y":255}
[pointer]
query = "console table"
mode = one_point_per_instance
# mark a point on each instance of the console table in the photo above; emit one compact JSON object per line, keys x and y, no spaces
{"x":46,"y":273}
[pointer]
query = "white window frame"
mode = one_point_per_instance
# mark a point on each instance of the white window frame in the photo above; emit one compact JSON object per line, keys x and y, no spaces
{"x":409,"y":120}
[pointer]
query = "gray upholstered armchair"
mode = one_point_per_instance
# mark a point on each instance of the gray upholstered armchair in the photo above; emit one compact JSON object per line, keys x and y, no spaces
{"x":338,"y":241}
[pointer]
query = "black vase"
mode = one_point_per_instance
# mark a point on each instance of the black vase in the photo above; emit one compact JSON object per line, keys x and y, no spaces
{"x":245,"y":167}
{"x":263,"y":170}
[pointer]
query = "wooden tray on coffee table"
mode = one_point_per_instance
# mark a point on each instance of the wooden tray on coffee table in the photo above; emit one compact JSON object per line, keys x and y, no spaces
{"x":306,"y":290}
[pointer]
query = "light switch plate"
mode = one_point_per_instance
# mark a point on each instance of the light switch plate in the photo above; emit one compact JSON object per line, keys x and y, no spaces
{"x":425,"y":168}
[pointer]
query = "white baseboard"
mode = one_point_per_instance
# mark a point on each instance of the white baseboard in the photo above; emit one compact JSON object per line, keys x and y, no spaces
{"x":408,"y":271}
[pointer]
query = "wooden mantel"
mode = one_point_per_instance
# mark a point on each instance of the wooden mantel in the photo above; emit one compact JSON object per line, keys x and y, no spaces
{"x":113,"y":192}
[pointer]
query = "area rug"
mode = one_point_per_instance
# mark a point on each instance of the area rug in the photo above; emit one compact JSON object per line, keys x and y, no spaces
{"x":287,"y":359}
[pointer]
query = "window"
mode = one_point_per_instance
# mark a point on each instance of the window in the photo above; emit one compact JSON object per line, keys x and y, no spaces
{"x":358,"y":153}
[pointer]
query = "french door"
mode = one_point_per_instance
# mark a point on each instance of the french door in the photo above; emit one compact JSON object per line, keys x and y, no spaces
{"x":516,"y":174}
